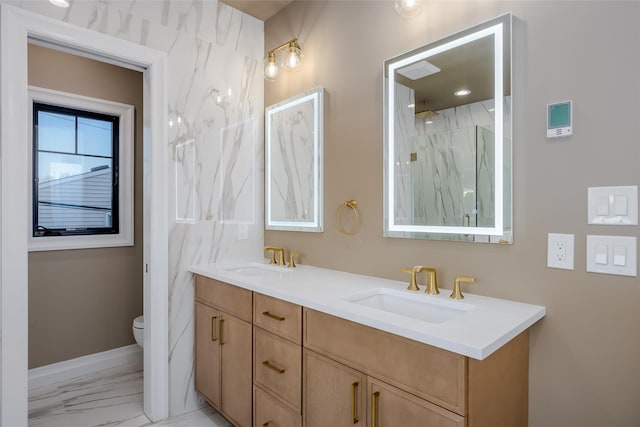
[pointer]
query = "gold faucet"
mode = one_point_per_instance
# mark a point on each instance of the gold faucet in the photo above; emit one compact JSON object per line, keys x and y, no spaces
{"x":274,"y":258}
{"x":292,"y":255}
{"x":413,"y":284}
{"x":457,"y":293}
{"x":432,"y":282}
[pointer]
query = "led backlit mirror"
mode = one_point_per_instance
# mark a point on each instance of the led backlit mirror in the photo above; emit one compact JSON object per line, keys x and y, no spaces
{"x":447,"y":150}
{"x":293,"y":163}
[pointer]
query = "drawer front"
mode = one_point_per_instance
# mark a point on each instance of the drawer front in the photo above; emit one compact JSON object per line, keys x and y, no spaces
{"x":278,"y":366}
{"x":232,"y":299}
{"x":270,"y":412}
{"x":278,"y":316}
{"x":428,"y":372}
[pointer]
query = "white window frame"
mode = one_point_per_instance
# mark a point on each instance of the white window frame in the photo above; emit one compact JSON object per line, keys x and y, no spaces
{"x":126,"y":154}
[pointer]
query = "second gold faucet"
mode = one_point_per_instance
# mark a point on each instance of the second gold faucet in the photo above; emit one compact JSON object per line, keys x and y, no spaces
{"x":432,"y":281}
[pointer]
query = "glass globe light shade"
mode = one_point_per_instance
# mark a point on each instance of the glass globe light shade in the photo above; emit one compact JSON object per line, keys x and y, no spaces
{"x":408,"y":8}
{"x":270,"y":68}
{"x":292,"y":58}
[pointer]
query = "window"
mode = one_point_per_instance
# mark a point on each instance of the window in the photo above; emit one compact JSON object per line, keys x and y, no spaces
{"x":75,"y":171}
{"x":81,"y":172}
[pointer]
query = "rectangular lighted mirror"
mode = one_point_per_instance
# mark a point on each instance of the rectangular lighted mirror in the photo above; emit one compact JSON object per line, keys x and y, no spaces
{"x":293,"y":163}
{"x":447,"y":148}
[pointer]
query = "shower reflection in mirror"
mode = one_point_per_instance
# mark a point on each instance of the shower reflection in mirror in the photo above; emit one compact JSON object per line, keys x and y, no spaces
{"x":447,"y":140}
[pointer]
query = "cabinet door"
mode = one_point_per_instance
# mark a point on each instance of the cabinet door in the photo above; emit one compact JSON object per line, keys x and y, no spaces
{"x":334,"y":395}
{"x":207,"y":374}
{"x":392,"y":407}
{"x":235,"y":344}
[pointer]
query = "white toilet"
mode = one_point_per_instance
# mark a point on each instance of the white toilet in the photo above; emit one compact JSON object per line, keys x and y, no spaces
{"x":138,"y":330}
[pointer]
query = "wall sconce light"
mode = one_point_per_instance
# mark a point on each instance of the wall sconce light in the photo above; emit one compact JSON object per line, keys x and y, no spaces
{"x":290,"y":58}
{"x":408,"y":8}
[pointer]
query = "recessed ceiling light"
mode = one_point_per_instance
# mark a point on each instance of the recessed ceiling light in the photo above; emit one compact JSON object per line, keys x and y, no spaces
{"x":59,"y":3}
{"x":462,"y":92}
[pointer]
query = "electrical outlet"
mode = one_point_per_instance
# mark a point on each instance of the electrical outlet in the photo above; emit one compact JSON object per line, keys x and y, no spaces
{"x":560,"y":251}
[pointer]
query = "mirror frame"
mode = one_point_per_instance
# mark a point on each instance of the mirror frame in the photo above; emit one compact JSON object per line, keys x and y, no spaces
{"x":497,"y":27}
{"x":316,"y":223}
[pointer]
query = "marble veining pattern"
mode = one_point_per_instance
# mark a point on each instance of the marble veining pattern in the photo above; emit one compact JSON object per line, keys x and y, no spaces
{"x":292,"y":163}
{"x":112,"y":397}
{"x":450,"y":179}
{"x":215,"y":98}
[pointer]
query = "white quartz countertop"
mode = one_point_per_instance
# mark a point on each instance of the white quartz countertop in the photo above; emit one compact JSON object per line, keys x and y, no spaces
{"x":483,"y":325}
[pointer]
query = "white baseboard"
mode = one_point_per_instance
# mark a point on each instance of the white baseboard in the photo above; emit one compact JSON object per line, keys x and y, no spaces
{"x":61,"y":371}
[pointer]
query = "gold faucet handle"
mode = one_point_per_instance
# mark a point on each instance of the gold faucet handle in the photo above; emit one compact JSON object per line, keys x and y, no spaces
{"x":432,"y":281}
{"x":457,"y":293}
{"x":273,"y":251}
{"x":292,"y":263}
{"x":413,"y":284}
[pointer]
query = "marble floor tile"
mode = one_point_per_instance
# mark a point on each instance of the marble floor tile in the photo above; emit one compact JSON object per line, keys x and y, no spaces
{"x":113,"y":397}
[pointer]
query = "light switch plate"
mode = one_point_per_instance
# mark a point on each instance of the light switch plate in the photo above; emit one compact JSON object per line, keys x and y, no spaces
{"x":560,"y":251}
{"x":612,"y":255}
{"x":613,"y":205}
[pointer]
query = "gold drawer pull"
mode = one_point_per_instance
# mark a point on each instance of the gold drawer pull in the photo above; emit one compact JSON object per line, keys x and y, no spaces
{"x":272,"y":367}
{"x":354,"y":403}
{"x":273,"y":316}
{"x":374,"y":408}
{"x":213,"y":328}
{"x":220,"y":330}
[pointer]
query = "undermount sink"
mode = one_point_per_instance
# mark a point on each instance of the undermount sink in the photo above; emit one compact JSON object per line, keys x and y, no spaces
{"x":418,"y":306}
{"x":256,"y":269}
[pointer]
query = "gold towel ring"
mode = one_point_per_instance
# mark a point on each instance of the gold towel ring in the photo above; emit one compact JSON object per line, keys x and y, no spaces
{"x":353,"y":204}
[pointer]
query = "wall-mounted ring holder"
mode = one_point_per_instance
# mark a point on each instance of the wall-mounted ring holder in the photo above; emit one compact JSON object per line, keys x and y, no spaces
{"x":353,"y":205}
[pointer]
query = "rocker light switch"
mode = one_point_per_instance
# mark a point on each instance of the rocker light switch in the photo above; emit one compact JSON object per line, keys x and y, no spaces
{"x":620,"y":255}
{"x":620,"y":205}
{"x":601,"y":254}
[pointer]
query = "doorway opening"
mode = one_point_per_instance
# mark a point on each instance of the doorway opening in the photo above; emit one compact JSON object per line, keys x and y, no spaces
{"x":18,"y":28}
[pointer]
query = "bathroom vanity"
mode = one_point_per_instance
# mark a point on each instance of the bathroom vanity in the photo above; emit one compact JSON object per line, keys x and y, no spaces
{"x":315,"y":347}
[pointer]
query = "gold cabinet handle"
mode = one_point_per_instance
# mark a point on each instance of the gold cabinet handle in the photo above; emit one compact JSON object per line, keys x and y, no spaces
{"x":213,"y":328}
{"x":374,"y":408}
{"x":354,"y":403}
{"x":273,"y":316}
{"x":266,"y":424}
{"x":220,"y":330}
{"x":272,"y":367}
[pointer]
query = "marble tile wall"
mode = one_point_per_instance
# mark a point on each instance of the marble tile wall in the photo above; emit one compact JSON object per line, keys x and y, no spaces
{"x":215,"y":95}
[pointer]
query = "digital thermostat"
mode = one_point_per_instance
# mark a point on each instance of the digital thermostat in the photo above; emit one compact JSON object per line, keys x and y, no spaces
{"x":560,"y":119}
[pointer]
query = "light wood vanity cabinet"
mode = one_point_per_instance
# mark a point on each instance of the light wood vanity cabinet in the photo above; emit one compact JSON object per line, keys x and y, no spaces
{"x":317,"y":370}
{"x":410,"y":383}
{"x":223,"y":357}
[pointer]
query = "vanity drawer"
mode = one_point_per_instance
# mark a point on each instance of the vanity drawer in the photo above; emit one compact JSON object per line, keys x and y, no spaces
{"x":229,"y":298}
{"x":425,"y":371}
{"x":278,"y":366}
{"x":278,"y":316}
{"x":270,"y":412}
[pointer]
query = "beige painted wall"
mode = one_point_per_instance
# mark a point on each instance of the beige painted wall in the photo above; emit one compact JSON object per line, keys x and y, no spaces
{"x":84,"y":301}
{"x":585,"y":353}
